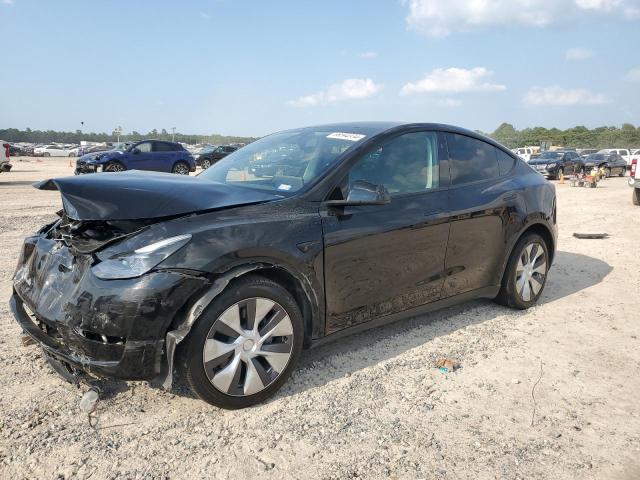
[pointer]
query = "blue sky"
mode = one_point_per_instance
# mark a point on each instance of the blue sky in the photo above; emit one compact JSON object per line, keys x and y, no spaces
{"x":253,"y":67}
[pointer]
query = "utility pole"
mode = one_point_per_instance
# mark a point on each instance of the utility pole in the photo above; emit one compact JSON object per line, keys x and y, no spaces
{"x":173,"y":134}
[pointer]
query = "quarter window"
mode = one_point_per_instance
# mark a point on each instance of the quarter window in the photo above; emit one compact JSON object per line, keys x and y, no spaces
{"x":505,"y":161}
{"x":471,"y":160}
{"x":405,"y":164}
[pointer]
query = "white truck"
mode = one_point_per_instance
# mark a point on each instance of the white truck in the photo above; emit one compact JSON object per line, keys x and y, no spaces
{"x":5,"y":166}
{"x":634,"y":179}
{"x":524,"y":153}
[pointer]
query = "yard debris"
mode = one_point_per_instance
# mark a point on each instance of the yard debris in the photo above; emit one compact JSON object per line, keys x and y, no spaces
{"x":584,"y":236}
{"x":88,"y":404}
{"x":447,"y":365}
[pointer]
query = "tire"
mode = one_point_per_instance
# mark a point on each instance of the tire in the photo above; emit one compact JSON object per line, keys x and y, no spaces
{"x":513,"y":292}
{"x":114,"y":167}
{"x":635,"y":196}
{"x":46,"y":154}
{"x":607,"y":172}
{"x":71,"y":155}
{"x":623,"y":171}
{"x":223,"y":366}
{"x":180,"y":168}
{"x":206,"y":163}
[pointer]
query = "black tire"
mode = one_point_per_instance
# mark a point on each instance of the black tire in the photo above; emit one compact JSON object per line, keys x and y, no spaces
{"x":206,"y":163}
{"x":46,"y":154}
{"x":114,"y":167}
{"x":181,"y":168}
{"x":249,"y":287}
{"x":635,"y":196}
{"x":623,"y":171}
{"x":509,"y":295}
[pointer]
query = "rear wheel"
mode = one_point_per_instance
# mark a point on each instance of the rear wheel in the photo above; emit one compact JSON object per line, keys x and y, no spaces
{"x":607,"y":172}
{"x":245,"y":344}
{"x":181,"y":168}
{"x":526,"y":273}
{"x":635,"y":196}
{"x":114,"y":167}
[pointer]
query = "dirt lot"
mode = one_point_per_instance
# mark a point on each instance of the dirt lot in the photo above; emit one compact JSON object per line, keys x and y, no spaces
{"x":373,"y":405}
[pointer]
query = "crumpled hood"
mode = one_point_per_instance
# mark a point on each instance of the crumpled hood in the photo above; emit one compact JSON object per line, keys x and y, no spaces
{"x":103,"y":155}
{"x":134,"y":195}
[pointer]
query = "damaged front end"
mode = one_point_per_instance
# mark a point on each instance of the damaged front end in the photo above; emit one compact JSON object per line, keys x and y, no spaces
{"x":106,"y":326}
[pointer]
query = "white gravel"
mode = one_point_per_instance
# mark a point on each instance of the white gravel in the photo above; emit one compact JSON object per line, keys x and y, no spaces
{"x":372,"y":405}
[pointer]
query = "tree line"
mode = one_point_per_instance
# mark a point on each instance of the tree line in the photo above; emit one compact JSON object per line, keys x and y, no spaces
{"x":626,"y":136}
{"x":15,"y":135}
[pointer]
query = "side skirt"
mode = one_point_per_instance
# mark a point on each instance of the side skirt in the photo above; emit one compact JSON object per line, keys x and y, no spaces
{"x":486,"y":292}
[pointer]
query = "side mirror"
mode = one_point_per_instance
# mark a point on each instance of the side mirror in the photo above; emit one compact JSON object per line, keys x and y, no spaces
{"x":363,"y":193}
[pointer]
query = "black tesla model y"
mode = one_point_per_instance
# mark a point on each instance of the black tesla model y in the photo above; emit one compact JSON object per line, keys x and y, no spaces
{"x":225,"y":277}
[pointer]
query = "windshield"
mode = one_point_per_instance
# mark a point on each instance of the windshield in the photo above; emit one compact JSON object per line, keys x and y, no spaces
{"x":595,"y":156}
{"x":551,"y":155}
{"x":283,"y":162}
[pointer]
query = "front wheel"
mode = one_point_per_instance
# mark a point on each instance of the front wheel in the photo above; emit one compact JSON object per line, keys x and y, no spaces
{"x":526,"y":273}
{"x":114,"y":167}
{"x":245,"y":345}
{"x":181,"y":168}
{"x":206,"y":163}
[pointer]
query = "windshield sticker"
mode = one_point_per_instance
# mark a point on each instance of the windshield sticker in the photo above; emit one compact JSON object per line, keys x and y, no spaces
{"x":284,"y":186}
{"x":352,"y":137}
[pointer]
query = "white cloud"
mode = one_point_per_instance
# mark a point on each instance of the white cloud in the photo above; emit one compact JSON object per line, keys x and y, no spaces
{"x":454,"y":80}
{"x":7,"y":2}
{"x":368,"y":55}
{"x":349,"y":89}
{"x":438,"y":18}
{"x":633,"y":75}
{"x":558,"y":96}
{"x":578,"y":54}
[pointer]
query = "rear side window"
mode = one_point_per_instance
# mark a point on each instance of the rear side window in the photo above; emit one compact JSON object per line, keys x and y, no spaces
{"x":505,"y":161}
{"x":163,"y":147}
{"x":471,"y":160}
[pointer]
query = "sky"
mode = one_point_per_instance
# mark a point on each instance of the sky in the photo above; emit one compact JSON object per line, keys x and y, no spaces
{"x":255,"y":67}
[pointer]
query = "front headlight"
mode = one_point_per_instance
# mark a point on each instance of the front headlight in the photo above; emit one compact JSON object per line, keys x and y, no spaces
{"x":551,"y":165}
{"x":140,"y":261}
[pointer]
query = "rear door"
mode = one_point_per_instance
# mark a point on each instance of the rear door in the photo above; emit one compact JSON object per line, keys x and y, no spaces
{"x":164,"y":156}
{"x":383,"y":259}
{"x":479,"y":203}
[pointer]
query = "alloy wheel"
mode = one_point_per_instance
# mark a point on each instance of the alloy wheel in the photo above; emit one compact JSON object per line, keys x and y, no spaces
{"x":206,"y":164}
{"x":115,"y":167}
{"x":248,"y":347}
{"x":531,"y":271}
{"x":181,"y":169}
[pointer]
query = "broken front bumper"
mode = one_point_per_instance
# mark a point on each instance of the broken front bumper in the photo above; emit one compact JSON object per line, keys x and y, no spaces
{"x":113,"y":328}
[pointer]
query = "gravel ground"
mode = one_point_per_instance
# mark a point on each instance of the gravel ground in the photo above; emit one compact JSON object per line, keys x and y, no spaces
{"x":372,"y":405}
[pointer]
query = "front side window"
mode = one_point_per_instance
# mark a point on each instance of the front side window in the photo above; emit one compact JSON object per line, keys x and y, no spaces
{"x":471,"y":159}
{"x":144,"y":147}
{"x":405,"y":164}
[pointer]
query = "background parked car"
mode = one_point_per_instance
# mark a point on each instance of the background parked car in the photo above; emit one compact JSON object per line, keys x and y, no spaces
{"x":525,"y":153}
{"x":154,"y":155}
{"x":15,"y":150}
{"x":613,"y":163}
{"x":208,"y":157}
{"x":51,"y":151}
{"x":552,"y":164}
{"x":583,"y":152}
{"x":623,"y":152}
{"x":5,"y":166}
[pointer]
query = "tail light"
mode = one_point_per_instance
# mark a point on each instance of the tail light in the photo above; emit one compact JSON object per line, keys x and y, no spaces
{"x":634,"y":166}
{"x":6,"y":149}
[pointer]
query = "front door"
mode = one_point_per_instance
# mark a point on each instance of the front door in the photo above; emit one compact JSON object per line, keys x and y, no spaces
{"x":383,"y":259}
{"x":141,"y":157}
